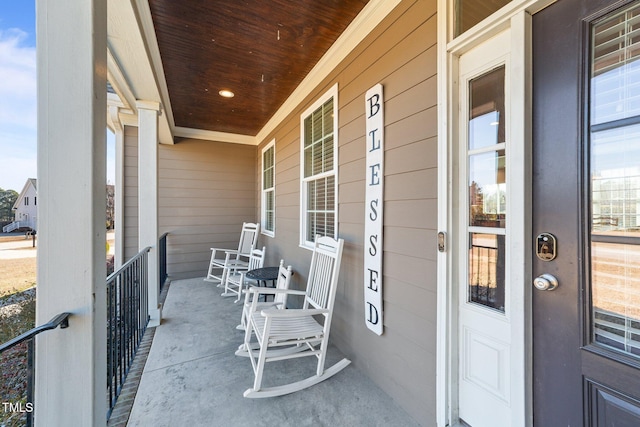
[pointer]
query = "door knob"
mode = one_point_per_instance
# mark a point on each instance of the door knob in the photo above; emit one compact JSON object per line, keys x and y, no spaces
{"x":545,"y":282}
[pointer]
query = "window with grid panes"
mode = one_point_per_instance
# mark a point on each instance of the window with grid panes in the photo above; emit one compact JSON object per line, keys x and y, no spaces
{"x":319,"y":155}
{"x":268,"y":189}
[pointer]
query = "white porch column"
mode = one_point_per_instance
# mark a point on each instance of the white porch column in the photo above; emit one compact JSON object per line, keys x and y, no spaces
{"x":118,"y":129}
{"x":148,"y":198}
{"x":70,"y":372}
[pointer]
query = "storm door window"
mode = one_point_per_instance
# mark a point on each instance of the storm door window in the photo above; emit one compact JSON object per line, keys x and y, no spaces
{"x":268,"y":189}
{"x":615,"y":181}
{"x":319,"y":160}
{"x":470,"y":12}
{"x":487,"y":200}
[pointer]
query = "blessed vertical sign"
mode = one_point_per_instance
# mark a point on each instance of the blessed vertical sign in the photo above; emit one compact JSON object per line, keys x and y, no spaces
{"x":374,"y":207}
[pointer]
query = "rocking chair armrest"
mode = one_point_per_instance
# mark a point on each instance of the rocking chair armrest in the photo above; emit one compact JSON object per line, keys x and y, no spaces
{"x":271,"y":291}
{"x":264,"y":305}
{"x":293,"y":312}
{"x":232,"y":251}
{"x":222,"y":249}
{"x":229,"y":252}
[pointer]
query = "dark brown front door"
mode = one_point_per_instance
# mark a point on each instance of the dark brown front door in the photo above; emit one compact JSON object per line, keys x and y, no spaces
{"x":586,"y":193}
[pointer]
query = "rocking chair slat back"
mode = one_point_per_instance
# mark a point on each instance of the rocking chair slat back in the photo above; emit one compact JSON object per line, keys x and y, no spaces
{"x":256,"y":260}
{"x":324,"y":265}
{"x":318,"y":284}
{"x":284,"y":276}
{"x":248,"y":238}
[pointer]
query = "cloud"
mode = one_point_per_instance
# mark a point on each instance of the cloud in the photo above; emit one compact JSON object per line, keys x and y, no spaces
{"x":18,"y":112}
{"x":18,"y":81}
{"x":18,"y":109}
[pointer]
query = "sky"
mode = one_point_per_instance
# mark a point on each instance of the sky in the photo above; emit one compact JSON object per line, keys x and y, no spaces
{"x":18,"y":99}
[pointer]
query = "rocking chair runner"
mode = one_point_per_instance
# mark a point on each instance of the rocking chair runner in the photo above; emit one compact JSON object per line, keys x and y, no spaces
{"x":224,"y":260}
{"x":291,"y":333}
{"x":236,"y":279}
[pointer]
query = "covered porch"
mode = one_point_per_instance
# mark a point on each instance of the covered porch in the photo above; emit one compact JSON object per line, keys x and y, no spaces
{"x":192,"y":376}
{"x":200,"y":183}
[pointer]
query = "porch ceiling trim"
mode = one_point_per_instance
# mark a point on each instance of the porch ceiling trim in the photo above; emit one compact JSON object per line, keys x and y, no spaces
{"x":210,"y":135}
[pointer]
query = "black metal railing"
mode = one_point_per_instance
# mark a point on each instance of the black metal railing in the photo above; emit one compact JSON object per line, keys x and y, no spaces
{"x":127,"y":319}
{"x":162,"y":259}
{"x":61,"y":320}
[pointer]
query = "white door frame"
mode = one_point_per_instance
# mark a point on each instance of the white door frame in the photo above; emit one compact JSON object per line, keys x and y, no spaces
{"x":515,"y":16}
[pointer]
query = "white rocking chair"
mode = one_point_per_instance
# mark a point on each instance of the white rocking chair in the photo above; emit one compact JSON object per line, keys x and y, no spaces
{"x":223,"y":260}
{"x":291,"y":333}
{"x":236,"y":279}
{"x":279,"y":300}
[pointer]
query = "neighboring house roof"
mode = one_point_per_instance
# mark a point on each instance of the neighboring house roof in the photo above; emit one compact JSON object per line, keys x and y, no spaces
{"x":30,"y":181}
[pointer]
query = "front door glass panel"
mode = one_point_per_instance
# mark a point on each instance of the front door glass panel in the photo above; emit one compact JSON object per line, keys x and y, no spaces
{"x":487,"y":200}
{"x":615,"y":181}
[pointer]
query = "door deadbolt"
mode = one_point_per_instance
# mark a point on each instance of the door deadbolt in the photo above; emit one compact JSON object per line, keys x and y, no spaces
{"x":545,"y":282}
{"x":546,"y":247}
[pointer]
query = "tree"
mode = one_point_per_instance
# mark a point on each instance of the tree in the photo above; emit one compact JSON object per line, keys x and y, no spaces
{"x":7,"y":199}
{"x":110,"y":206}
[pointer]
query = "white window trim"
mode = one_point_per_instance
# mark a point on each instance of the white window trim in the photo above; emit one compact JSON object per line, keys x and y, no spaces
{"x":332,"y":92}
{"x":263,"y":192}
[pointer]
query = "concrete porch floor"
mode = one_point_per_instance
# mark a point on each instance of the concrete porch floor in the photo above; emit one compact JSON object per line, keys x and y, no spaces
{"x":193,"y":378}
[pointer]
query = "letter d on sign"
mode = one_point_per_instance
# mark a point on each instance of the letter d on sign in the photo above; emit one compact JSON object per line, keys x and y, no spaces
{"x":373,"y":314}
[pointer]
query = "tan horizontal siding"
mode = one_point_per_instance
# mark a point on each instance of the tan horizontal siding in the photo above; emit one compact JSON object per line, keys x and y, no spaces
{"x":130,"y":188}
{"x":206,"y":191}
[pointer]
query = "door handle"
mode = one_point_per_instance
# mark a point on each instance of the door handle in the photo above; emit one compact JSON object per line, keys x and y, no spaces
{"x":545,"y":282}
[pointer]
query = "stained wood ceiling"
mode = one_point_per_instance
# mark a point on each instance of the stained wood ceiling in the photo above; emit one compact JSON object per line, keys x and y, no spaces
{"x":260,"y":50}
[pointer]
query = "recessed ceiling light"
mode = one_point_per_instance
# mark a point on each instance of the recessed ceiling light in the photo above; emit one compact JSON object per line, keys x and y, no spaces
{"x":226,"y":93}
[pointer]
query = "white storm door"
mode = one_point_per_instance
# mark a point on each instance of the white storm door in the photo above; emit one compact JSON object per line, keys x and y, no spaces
{"x":491,"y":379}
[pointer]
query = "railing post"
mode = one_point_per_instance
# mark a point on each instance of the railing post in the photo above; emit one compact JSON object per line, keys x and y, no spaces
{"x":162,"y":246}
{"x":30,"y":367}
